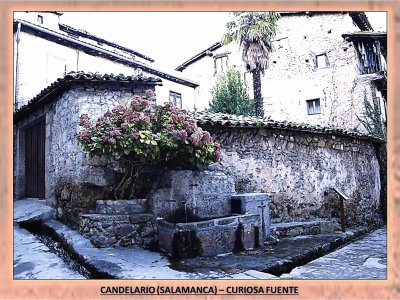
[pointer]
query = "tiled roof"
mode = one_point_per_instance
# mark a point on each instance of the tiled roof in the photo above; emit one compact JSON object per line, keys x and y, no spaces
{"x":227,"y":120}
{"x":83,"y":33}
{"x":48,"y":94}
{"x":91,"y":49}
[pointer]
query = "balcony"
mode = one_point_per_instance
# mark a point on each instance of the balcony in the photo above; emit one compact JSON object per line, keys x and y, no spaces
{"x":371,"y":50}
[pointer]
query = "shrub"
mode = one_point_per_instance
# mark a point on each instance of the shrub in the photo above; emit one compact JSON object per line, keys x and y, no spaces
{"x":139,"y":135}
{"x":230,"y":95}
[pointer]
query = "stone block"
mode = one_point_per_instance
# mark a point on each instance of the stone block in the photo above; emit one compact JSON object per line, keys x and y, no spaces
{"x":124,"y":207}
{"x":253,"y":203}
{"x":118,"y":230}
{"x":211,"y":237}
{"x":205,"y":193}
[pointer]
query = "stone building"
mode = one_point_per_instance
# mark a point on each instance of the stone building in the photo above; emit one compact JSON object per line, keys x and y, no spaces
{"x":316,"y":72}
{"x":46,"y":49}
{"x":45,"y":131}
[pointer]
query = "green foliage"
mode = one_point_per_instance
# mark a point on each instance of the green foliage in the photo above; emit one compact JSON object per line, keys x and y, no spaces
{"x":230,"y":95}
{"x":255,"y":33}
{"x":371,"y":118}
{"x":139,"y":135}
{"x":373,"y":122}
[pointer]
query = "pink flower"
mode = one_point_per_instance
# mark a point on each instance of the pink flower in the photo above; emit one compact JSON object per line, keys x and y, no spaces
{"x":195,"y":140}
{"x":218,"y":154}
{"x":174,"y":118}
{"x":84,"y":136}
{"x":184,"y":135}
{"x":170,"y":127}
{"x":207,"y":137}
{"x":149,"y":93}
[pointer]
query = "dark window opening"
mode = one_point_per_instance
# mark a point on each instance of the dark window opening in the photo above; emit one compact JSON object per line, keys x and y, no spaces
{"x":321,"y":61}
{"x":40,"y":19}
{"x":175,"y":98}
{"x":313,"y":107}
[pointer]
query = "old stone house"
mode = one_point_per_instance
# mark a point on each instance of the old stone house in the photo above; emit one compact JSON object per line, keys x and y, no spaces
{"x":46,"y":49}
{"x":45,"y":131}
{"x":323,"y":65}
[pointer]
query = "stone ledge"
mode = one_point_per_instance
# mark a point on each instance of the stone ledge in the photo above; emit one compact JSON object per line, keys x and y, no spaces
{"x":292,"y":229}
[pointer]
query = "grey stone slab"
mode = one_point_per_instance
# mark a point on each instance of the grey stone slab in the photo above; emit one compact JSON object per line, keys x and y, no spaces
{"x":363,"y":259}
{"x":293,"y":229}
{"x":126,"y":207}
{"x":118,"y":263}
{"x":253,"y":203}
{"x":33,"y":260}
{"x":205,"y":193}
{"x":29,"y":210}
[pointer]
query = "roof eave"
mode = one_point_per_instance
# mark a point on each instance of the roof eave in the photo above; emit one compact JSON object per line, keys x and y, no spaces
{"x":90,"y":49}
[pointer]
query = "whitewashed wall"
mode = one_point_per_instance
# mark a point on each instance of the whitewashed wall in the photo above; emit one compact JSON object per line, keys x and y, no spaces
{"x":41,"y":62}
{"x":291,"y":78}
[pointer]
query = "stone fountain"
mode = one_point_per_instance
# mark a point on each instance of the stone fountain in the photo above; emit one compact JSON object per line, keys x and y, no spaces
{"x":199,"y":214}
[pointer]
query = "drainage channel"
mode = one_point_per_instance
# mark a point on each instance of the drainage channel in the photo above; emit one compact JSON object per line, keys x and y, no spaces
{"x":57,"y":247}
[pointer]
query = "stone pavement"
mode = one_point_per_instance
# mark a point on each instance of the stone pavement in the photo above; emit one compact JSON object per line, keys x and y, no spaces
{"x":33,"y":260}
{"x":363,"y":259}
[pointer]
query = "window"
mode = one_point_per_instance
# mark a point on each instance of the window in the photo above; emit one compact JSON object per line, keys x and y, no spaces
{"x":220,"y":63}
{"x":321,"y":61}
{"x":313,"y":107}
{"x":175,"y":99}
{"x":40,"y":19}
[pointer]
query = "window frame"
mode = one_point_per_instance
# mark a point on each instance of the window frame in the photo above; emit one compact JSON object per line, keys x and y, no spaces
{"x":314,"y":110}
{"x":315,"y":59}
{"x":220,"y":58}
{"x":175,"y":96}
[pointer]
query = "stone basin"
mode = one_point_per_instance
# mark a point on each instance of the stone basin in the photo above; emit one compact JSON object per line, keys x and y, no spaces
{"x":210,"y":237}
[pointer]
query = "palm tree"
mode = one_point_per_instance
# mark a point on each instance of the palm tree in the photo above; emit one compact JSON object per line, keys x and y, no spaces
{"x":254,"y":32}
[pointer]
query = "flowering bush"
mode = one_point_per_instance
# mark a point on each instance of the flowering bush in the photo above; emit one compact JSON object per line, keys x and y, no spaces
{"x":138,"y":135}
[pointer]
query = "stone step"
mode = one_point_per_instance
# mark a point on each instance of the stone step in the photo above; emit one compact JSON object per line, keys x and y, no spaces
{"x":121,"y":207}
{"x":119,"y":230}
{"x":293,"y":229}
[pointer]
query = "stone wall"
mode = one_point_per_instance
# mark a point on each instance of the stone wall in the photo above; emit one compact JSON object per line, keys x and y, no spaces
{"x":298,"y":169}
{"x":66,"y":163}
{"x":292,"y":77}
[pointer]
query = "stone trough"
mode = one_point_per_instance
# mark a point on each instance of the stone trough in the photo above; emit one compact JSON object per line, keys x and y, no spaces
{"x":210,"y":237}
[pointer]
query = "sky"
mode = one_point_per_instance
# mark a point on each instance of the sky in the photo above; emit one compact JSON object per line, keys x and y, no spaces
{"x":170,"y":38}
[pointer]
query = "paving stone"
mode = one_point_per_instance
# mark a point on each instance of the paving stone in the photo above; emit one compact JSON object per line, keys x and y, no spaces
{"x":363,"y":259}
{"x":29,"y":210}
{"x":33,"y":260}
